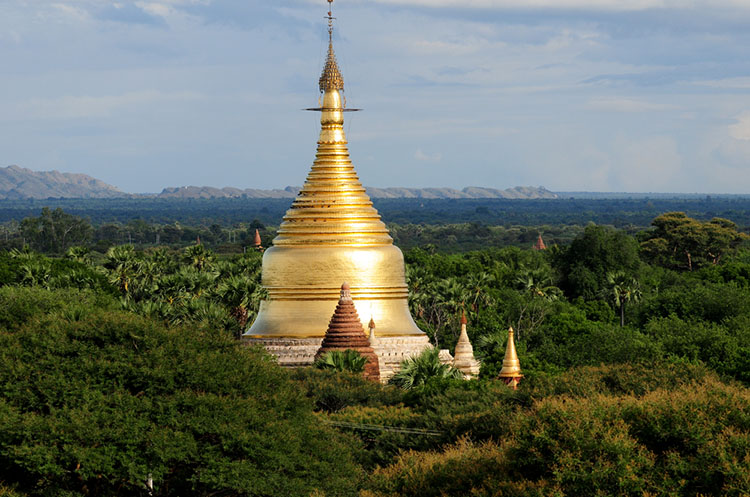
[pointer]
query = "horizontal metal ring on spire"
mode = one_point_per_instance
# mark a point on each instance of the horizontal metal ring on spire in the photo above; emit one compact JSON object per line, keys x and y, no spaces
{"x":333,"y":109}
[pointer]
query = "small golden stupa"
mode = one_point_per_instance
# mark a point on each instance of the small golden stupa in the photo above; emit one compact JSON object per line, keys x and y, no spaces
{"x":332,"y":233}
{"x":511,"y":372}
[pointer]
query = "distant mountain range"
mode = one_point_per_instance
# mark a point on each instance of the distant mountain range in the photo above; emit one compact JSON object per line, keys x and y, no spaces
{"x":526,"y":192}
{"x":21,"y":183}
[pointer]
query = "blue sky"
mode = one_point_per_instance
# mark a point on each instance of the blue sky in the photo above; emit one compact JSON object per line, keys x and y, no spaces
{"x":598,"y":95}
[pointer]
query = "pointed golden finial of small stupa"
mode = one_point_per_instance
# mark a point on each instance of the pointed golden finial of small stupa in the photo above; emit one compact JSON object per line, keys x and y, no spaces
{"x":511,"y":372}
{"x":464,"y":359}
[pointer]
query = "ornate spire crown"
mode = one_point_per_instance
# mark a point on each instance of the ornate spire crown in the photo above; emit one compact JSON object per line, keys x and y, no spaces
{"x":331,"y":79}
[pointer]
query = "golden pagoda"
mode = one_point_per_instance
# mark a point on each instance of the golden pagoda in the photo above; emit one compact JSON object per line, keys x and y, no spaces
{"x":332,"y":233}
{"x":511,"y":371}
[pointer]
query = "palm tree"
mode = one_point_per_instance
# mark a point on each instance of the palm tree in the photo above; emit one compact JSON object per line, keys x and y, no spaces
{"x":235,"y":293}
{"x":78,"y":254}
{"x":163,"y":259}
{"x":478,"y":284}
{"x":198,"y":256}
{"x":25,"y":253}
{"x":624,"y":290}
{"x":342,"y":360}
{"x":537,"y":292}
{"x":122,"y":264}
{"x":36,"y":272}
{"x":418,"y":370}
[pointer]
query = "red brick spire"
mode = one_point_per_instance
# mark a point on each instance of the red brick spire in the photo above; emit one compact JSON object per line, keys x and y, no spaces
{"x":539,"y":245}
{"x":345,"y":332}
{"x":257,"y":241}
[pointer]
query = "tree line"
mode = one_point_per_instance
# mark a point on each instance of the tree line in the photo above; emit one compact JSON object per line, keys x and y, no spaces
{"x":122,"y":368}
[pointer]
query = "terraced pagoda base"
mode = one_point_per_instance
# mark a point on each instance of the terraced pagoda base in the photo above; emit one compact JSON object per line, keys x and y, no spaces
{"x":299,"y":352}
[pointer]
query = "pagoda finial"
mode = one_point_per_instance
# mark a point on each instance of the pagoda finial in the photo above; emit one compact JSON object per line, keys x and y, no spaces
{"x":331,"y":79}
{"x":371,"y":326}
{"x":346,"y":294}
{"x":511,"y":372}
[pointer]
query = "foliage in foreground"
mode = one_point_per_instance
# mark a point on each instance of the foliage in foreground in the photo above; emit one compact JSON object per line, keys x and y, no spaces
{"x":342,"y":360}
{"x":669,"y":429}
{"x":95,"y":401}
{"x":418,"y":371}
{"x":693,"y":440}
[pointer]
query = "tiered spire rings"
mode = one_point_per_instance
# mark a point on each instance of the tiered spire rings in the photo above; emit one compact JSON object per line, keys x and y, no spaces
{"x":332,"y":233}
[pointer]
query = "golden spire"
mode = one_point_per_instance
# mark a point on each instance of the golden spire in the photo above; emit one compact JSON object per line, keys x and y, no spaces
{"x":332,"y":233}
{"x":511,"y":372}
{"x":332,"y":208}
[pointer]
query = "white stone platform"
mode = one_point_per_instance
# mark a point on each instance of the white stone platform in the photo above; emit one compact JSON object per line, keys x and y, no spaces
{"x":298,"y":352}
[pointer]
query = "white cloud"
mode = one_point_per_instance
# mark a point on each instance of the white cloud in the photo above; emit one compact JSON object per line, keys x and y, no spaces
{"x":79,"y":107}
{"x":609,"y":104}
{"x":741,"y":129}
{"x":651,"y":164}
{"x":421,"y":156}
{"x":613,"y":5}
{"x":730,"y":83}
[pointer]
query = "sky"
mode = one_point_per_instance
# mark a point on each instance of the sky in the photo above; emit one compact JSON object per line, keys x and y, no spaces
{"x":572,"y":95}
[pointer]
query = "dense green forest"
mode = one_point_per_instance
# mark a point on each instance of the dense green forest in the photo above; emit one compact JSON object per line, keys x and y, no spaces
{"x":618,"y":212}
{"x":120,"y":365}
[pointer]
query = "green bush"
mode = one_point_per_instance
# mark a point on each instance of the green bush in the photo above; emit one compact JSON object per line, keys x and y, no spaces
{"x":21,"y":304}
{"x":94,"y":405}
{"x":686,"y":440}
{"x":342,"y":360}
{"x":331,"y":391}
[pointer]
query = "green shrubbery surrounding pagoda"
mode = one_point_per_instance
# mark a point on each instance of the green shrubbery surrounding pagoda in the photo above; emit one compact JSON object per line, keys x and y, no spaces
{"x":122,"y":366}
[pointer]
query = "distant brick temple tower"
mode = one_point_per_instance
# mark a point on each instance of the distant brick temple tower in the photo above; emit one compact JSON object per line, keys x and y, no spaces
{"x":539,"y":245}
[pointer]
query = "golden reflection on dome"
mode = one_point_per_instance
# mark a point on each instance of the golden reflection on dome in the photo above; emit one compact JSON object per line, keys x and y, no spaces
{"x":332,"y":233}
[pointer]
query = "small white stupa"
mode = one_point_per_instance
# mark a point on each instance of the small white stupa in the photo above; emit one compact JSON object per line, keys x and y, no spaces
{"x":464,"y":359}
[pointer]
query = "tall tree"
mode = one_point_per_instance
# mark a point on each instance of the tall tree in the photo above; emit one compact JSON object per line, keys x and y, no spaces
{"x":55,"y":230}
{"x":679,"y":241}
{"x":623,"y":290}
{"x":591,"y":256}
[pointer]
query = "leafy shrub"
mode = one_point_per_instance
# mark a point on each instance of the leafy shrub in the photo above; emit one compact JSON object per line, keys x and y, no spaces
{"x":331,"y":391}
{"x":417,"y":371}
{"x":21,"y":304}
{"x":94,"y":405}
{"x":342,"y":360}
{"x":693,"y":439}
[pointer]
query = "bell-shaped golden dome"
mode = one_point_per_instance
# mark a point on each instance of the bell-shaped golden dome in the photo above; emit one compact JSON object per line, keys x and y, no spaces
{"x":332,"y":233}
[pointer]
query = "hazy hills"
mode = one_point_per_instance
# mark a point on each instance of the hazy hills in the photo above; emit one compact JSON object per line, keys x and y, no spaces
{"x":526,"y":192}
{"x":21,"y":183}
